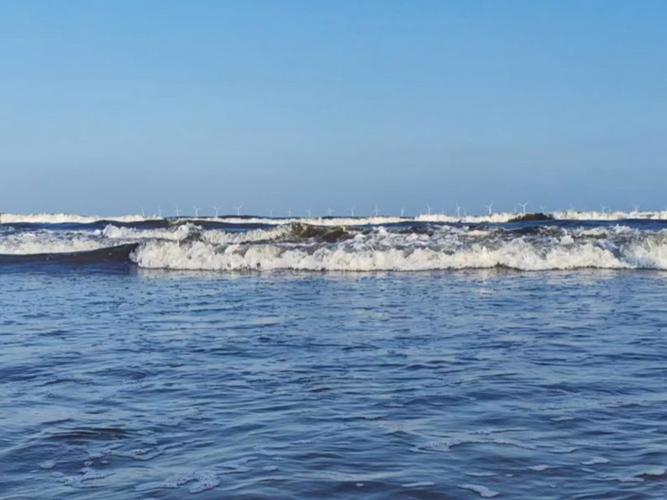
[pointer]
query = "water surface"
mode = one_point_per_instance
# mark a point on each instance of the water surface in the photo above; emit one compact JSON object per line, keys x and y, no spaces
{"x":121,"y":382}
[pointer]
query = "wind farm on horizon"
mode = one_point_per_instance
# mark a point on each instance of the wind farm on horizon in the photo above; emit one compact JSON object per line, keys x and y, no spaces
{"x":375,"y":211}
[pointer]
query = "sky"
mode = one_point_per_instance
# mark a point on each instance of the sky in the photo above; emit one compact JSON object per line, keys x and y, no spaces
{"x":118,"y":107}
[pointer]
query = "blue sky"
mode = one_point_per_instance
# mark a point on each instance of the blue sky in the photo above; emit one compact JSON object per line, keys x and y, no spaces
{"x":107,"y":107}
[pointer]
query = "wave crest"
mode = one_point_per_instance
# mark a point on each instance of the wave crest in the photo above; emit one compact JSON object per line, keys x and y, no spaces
{"x":446,"y":248}
{"x":494,"y":218}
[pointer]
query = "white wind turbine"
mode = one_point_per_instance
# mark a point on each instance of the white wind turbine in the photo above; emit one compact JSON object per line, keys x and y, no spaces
{"x":523,"y":207}
{"x":402,"y":212}
{"x":238,"y":209}
{"x":196,"y":210}
{"x":489,"y":208}
{"x":352,"y":211}
{"x":376,"y":211}
{"x":178,"y":211}
{"x":217,"y":211}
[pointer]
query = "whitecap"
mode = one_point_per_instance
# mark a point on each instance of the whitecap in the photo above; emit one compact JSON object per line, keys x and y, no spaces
{"x":482,"y":491}
{"x":595,"y":461}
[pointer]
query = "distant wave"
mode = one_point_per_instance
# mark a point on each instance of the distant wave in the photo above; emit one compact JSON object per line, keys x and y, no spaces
{"x":67,"y":218}
{"x":498,"y":218}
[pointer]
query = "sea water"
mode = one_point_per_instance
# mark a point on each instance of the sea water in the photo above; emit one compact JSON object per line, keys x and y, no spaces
{"x":370,"y":358}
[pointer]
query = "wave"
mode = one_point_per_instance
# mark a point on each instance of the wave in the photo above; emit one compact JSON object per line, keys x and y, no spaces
{"x":119,"y":253}
{"x":495,"y":218}
{"x":411,"y":247}
{"x":445,"y":248}
{"x":6,"y":218}
{"x":48,"y":242}
{"x":189,"y":230}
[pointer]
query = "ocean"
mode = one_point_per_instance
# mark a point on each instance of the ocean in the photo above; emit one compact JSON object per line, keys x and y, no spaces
{"x":244,"y":357}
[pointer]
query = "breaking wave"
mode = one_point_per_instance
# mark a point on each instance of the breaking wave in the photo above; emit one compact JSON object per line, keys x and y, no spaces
{"x":432,"y":248}
{"x":46,"y":242}
{"x":408,"y":246}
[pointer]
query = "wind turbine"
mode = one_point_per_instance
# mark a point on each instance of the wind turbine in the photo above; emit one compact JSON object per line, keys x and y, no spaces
{"x":458,"y":210}
{"x":523,"y":207}
{"x":238,"y":209}
{"x":271,"y":213}
{"x":376,"y":211}
{"x":289,"y":212}
{"x":428,"y":209}
{"x":402,"y":212}
{"x":352,"y":211}
{"x":142,"y":212}
{"x":309,"y":213}
{"x":489,"y":207}
{"x":159,"y":212}
{"x":330,"y":212}
{"x":196,"y":209}
{"x":178,"y":212}
{"x":217,"y":211}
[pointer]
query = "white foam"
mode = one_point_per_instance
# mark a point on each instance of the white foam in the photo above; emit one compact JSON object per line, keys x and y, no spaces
{"x":494,"y":218}
{"x":48,"y":243}
{"x":66,"y":218}
{"x":182,"y":232}
{"x":498,"y":217}
{"x":177,"y":233}
{"x":380,"y":248}
{"x":482,"y":491}
{"x":595,"y":461}
{"x":539,"y":468}
{"x":609,"y":216}
{"x":449,"y":248}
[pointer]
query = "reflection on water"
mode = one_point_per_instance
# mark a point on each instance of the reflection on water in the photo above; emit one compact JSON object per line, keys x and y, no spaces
{"x":133,"y":384}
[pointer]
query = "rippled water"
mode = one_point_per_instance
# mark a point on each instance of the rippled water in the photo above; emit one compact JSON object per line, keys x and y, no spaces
{"x":119,"y":382}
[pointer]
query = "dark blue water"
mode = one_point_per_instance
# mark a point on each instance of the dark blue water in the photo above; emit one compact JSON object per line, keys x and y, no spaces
{"x":120,"y":382}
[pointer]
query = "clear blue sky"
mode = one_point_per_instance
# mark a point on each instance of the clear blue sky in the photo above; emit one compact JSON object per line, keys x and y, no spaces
{"x":108,"y":106}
